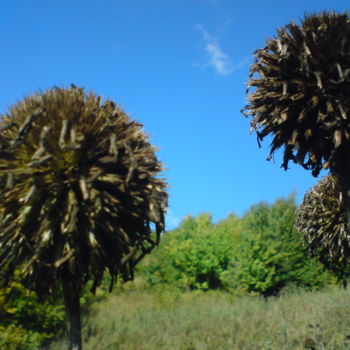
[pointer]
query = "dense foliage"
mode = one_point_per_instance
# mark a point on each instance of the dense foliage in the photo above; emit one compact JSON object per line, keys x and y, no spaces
{"x":270,"y":255}
{"x":26,"y":322}
{"x":193,"y":256}
{"x":260,"y":253}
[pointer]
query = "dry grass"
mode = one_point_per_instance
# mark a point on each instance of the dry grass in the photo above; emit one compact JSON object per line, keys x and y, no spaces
{"x":137,"y":320}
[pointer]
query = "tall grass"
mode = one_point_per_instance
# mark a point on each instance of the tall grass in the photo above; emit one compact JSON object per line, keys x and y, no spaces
{"x":144,"y":320}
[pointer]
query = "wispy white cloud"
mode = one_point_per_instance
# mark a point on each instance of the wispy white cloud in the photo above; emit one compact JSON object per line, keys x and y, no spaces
{"x":216,"y":58}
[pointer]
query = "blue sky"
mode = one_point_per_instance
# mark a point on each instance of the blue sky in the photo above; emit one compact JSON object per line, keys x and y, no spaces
{"x":179,"y":67}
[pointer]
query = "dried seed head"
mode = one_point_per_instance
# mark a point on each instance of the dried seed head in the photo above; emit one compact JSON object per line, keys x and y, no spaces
{"x":82,"y":184}
{"x":300,"y":82}
{"x":322,"y":221}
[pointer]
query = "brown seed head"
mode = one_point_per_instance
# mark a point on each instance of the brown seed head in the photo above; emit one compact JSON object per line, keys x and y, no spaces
{"x":301,"y":84}
{"x":79,"y":187}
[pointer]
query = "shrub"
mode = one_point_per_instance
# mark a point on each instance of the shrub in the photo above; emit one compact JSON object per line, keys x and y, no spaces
{"x":25,"y":321}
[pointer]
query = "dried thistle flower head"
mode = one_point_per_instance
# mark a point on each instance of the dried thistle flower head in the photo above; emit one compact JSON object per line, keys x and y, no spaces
{"x":322,"y":220}
{"x":79,"y":188}
{"x":301,"y":82}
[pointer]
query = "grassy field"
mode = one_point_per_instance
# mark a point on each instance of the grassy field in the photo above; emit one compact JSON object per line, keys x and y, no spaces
{"x":144,"y":320}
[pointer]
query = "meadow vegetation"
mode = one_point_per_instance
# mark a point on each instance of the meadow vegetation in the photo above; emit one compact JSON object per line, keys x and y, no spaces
{"x":242,"y":283}
{"x":163,"y":320}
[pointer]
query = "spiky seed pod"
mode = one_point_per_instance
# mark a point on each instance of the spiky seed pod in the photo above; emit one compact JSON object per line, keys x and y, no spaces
{"x":322,"y":220}
{"x":79,"y":189}
{"x":301,"y":82}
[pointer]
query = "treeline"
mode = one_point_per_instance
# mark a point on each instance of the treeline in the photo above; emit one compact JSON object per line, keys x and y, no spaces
{"x":258,"y":253}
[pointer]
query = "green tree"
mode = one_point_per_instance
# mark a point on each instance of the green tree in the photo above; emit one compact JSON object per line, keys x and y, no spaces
{"x":301,"y":81}
{"x":193,"y":256}
{"x":80,"y":194}
{"x":260,"y":253}
{"x":271,"y":253}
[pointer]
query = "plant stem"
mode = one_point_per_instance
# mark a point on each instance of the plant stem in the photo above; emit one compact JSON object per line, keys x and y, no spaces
{"x":342,"y":171}
{"x":71,"y":291}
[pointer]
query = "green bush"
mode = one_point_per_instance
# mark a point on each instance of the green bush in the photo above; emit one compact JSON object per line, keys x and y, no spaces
{"x":29,"y":323}
{"x":25,"y":321}
{"x":17,"y":338}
